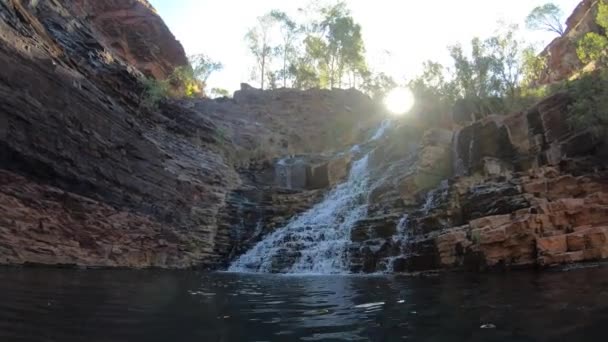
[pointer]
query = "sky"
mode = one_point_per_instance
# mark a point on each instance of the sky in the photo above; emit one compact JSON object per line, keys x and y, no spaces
{"x":399,"y":34}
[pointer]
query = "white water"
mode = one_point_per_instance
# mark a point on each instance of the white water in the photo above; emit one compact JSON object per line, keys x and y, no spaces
{"x":384,"y":126}
{"x":401,"y":229}
{"x":457,"y":162}
{"x":319,"y":238}
{"x":321,"y":235}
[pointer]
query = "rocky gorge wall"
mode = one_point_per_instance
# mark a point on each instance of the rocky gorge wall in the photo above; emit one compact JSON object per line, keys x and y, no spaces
{"x":523,"y":190}
{"x":90,"y":178}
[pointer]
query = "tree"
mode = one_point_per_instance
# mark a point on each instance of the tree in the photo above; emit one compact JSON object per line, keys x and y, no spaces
{"x":332,"y":49}
{"x":473,"y":74}
{"x":289,"y":33}
{"x":547,"y":17}
{"x":219,"y":92}
{"x":203,"y":66}
{"x":258,"y":39}
{"x":533,"y":66}
{"x":343,"y":40}
{"x":305,"y":75}
{"x":506,"y":63}
{"x":378,"y":85}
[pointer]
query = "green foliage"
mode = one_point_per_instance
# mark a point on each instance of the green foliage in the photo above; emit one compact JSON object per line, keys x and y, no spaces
{"x":485,"y":81}
{"x":202,"y":67}
{"x":305,"y":75}
{"x":287,"y":49}
{"x":377,"y":86}
{"x":589,"y":109}
{"x":547,"y":17}
{"x":219,"y":92}
{"x":259,"y":41}
{"x":592,"y":47}
{"x":343,"y":43}
{"x":435,"y":94}
{"x":533,"y":66}
{"x":602,"y":14}
{"x":154,"y":92}
{"x":221,"y":135}
{"x":185,"y":80}
{"x":326,"y":52}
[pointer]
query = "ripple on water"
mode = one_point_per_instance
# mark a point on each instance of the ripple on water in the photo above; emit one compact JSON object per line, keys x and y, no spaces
{"x":64,"y":305}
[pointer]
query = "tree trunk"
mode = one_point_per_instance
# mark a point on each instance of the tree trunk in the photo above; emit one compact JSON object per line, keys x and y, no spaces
{"x":285,"y":67}
{"x":262,"y":65}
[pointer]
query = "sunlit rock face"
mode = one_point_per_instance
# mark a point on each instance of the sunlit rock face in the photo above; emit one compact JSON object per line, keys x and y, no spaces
{"x":525,"y":190}
{"x":562,"y":59}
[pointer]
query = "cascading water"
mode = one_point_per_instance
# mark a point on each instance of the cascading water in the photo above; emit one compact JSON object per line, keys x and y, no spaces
{"x":316,"y":241}
{"x":384,"y":126}
{"x":457,"y":162}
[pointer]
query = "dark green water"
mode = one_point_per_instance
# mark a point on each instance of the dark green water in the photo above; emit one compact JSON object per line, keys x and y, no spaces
{"x":96,"y":305}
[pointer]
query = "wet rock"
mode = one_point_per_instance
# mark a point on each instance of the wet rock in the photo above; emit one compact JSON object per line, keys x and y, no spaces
{"x":486,"y":138}
{"x":327,"y":173}
{"x":492,"y":199}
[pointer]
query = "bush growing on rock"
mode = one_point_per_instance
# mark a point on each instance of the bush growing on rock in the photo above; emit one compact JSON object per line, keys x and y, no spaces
{"x":589,"y":109}
{"x":592,"y":47}
{"x":185,"y":81}
{"x":154,"y":92}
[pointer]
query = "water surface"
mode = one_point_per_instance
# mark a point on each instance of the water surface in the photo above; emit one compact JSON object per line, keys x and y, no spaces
{"x":102,"y":305}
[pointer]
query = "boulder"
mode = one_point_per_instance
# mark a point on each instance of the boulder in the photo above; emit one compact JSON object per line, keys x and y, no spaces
{"x":328,"y":173}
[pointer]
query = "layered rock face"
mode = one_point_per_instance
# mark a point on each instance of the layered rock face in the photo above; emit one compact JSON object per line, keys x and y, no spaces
{"x":523,"y":190}
{"x":90,"y":178}
{"x":562,"y":59}
{"x":132,"y":30}
{"x":72,"y":128}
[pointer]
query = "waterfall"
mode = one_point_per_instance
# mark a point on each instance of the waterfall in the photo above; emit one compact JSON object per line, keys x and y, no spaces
{"x":283,"y":173}
{"x":384,"y":126}
{"x":316,"y":241}
{"x":290,"y":173}
{"x":458,"y":168}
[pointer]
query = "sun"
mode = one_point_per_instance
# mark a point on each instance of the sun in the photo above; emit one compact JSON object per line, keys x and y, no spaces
{"x":399,"y":101}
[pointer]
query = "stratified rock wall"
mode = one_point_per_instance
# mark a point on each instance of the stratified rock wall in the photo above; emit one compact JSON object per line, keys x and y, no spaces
{"x":132,"y":30}
{"x":525,"y":190}
{"x":89,"y":177}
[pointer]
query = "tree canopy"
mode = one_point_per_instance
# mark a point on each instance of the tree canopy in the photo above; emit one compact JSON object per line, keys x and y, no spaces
{"x":547,"y":17}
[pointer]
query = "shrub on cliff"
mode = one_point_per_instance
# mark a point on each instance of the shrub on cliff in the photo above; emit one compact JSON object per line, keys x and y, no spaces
{"x":589,"y":109}
{"x":154,"y":92}
{"x":185,"y":81}
{"x":592,"y":47}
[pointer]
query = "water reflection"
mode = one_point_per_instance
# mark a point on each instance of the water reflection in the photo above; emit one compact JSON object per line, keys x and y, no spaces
{"x":69,"y":305}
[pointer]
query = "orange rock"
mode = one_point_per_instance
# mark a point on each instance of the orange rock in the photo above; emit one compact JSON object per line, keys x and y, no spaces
{"x":552,"y":245}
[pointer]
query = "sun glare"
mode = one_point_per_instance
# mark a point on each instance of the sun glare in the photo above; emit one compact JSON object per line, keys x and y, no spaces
{"x":399,"y":101}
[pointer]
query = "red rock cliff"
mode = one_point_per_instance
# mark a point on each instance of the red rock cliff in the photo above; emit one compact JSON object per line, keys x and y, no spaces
{"x":134,"y":31}
{"x":562,"y":60}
